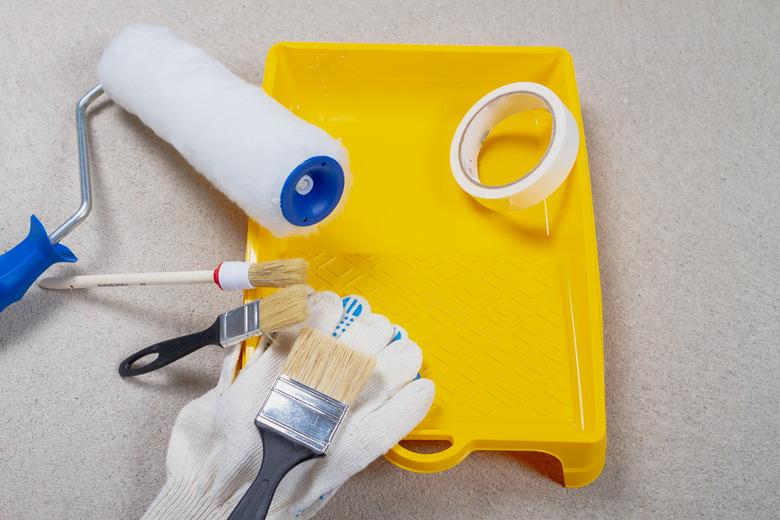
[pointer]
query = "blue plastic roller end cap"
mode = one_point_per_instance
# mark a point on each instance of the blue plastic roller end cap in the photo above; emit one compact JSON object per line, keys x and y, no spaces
{"x":312,"y":191}
{"x":22,"y":265}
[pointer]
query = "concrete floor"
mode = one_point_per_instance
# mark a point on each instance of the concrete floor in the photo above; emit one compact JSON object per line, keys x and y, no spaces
{"x":681,"y":111}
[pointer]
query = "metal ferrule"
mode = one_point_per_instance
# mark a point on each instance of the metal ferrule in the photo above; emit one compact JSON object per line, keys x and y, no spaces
{"x":301,"y":413}
{"x":239,"y":324}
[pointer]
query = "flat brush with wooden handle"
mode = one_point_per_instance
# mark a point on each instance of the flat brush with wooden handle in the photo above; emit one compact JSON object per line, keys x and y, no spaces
{"x":228,"y":276}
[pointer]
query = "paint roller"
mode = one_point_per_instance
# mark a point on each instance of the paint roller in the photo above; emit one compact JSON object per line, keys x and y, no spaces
{"x":285,"y":173}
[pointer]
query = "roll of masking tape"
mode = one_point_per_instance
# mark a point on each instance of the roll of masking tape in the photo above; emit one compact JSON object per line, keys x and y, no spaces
{"x":543,"y":179}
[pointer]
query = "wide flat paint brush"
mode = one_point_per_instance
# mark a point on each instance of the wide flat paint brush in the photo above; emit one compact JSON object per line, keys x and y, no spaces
{"x":302,"y":412}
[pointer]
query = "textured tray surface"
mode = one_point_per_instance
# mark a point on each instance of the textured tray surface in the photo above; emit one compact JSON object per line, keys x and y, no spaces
{"x":462,"y":309}
{"x":505,"y":306}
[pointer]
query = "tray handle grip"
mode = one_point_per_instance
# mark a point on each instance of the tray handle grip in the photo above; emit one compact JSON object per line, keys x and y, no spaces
{"x":429,"y":462}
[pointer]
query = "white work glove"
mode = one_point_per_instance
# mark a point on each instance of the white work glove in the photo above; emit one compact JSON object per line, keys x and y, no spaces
{"x":215,"y":449}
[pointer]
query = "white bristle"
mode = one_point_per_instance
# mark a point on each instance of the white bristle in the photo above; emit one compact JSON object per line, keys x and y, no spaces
{"x":322,"y":363}
{"x":237,"y":136}
{"x":278,"y":273}
{"x":284,"y":308}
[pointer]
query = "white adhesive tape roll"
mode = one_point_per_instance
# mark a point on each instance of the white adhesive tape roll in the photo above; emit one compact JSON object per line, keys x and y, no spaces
{"x":543,"y":179}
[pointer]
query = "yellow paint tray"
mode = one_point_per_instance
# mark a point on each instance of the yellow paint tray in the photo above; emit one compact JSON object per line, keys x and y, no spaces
{"x":506,"y":306}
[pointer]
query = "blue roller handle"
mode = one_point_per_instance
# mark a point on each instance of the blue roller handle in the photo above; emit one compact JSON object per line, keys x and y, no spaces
{"x":22,"y":265}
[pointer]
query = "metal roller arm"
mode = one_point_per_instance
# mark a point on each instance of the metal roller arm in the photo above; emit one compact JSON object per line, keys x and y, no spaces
{"x":82,"y":130}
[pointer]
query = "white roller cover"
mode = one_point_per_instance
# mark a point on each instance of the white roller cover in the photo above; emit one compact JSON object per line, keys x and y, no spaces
{"x":241,"y":139}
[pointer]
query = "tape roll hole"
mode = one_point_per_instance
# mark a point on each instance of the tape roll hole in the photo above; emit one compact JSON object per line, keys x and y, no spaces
{"x":514,"y":147}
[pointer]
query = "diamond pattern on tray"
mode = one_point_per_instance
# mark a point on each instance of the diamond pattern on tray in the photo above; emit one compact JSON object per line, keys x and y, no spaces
{"x":492,"y":329}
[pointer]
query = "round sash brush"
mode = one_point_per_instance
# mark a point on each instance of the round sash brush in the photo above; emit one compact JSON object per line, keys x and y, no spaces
{"x":228,"y":276}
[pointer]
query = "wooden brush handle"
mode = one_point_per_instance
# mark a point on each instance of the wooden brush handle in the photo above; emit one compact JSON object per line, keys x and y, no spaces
{"x":127,"y":280}
{"x":280,"y":455}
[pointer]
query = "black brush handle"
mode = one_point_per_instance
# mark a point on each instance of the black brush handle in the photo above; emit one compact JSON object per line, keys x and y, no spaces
{"x":280,"y":455}
{"x":169,"y":351}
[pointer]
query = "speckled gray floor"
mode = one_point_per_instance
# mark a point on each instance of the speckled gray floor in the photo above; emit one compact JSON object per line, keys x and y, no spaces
{"x":681,"y":110}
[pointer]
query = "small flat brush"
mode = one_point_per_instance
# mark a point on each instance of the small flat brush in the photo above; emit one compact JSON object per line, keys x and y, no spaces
{"x":302,"y":412}
{"x":229,"y":276}
{"x":284,"y":308}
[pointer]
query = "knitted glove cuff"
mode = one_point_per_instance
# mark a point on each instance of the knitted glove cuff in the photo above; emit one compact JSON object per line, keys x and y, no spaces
{"x":184,"y":501}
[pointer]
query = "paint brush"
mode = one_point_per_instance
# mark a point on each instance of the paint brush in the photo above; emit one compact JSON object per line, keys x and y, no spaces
{"x":228,"y":276}
{"x":284,"y":308}
{"x":302,"y":412}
